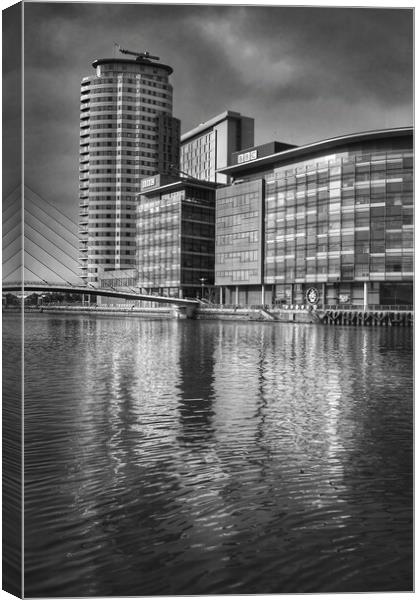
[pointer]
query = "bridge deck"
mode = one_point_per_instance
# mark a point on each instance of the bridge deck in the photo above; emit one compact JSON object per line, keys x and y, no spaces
{"x":108,"y":292}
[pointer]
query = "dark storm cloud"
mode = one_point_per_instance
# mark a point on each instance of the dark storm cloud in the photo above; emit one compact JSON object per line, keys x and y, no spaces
{"x":304,"y":74}
{"x":12,"y":102}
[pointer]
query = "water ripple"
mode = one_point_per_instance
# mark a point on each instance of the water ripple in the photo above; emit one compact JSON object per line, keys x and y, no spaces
{"x":201,"y":457}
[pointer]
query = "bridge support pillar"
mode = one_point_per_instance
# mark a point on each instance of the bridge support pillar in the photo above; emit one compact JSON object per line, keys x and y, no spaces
{"x":85,"y":299}
{"x":365,"y":295}
{"x":184,"y":312}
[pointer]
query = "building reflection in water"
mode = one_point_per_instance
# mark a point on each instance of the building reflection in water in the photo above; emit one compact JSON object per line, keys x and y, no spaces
{"x":196,"y":391}
{"x":125,"y":449}
{"x":210,"y":457}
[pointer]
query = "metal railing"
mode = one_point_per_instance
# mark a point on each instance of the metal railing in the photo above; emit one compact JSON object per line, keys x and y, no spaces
{"x":381,"y":307}
{"x":289,"y":307}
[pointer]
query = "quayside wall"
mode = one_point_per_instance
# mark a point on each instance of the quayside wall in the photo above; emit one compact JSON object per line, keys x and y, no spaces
{"x":301,"y":314}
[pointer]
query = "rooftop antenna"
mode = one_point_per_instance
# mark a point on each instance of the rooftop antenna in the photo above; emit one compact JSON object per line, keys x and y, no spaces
{"x":139,"y":55}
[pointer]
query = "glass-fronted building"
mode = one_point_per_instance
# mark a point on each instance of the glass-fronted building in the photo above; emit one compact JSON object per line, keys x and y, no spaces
{"x":334,"y":217}
{"x":175,"y":236}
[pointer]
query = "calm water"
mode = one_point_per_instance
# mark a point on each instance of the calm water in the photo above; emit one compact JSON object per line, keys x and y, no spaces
{"x":167,"y":457}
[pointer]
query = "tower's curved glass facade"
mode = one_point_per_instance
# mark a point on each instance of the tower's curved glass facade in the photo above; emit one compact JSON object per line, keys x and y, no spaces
{"x":126,"y":133}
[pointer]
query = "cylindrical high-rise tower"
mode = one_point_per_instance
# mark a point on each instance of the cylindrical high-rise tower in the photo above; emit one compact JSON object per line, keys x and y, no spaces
{"x":126,"y":133}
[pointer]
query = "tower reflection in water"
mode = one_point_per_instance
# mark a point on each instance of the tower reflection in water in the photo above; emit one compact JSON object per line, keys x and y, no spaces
{"x":209,"y":457}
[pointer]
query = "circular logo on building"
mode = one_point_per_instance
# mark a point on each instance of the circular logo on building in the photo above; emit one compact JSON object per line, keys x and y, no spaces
{"x":312,"y":295}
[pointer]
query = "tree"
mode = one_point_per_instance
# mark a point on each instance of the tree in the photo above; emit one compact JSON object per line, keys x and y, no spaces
{"x":11,"y":300}
{"x":31,"y":299}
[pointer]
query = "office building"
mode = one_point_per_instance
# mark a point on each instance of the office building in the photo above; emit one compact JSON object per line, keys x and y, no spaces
{"x":210,"y":146}
{"x":127,"y":132}
{"x":333,"y":219}
{"x":175,"y":236}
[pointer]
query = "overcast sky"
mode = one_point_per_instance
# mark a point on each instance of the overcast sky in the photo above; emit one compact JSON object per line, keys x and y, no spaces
{"x":303,"y":74}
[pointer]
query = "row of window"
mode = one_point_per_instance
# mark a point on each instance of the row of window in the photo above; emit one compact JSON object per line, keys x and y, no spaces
{"x":197,"y":213}
{"x":333,"y":229}
{"x":197,"y":245}
{"x":118,"y":87}
{"x":113,"y":215}
{"x":86,"y":111}
{"x":374,"y":245}
{"x":143,"y":90}
{"x":100,"y":80}
{"x":370,"y":189}
{"x":356,"y":254}
{"x":197,"y":261}
{"x":107,"y":224}
{"x":114,"y":206}
{"x":115,"y":179}
{"x":238,"y":274}
{"x":339,"y":177}
{"x":127,"y":200}
{"x":239,"y":256}
{"x":169,"y":249}
{"x":139,"y":107}
{"x":118,"y":282}
{"x":116,"y":163}
{"x":344,"y":274}
{"x":120,"y":128}
{"x":240,"y":236}
{"x":234,"y":220}
{"x":108,"y":261}
{"x":151,"y":211}
{"x":124,"y":143}
{"x":134,"y":68}
{"x":113,"y":244}
{"x":121,"y":188}
{"x":235,"y":201}
{"x":121,"y":134}
{"x":156,"y":238}
{"x":121,"y":124}
{"x":346,"y":160}
{"x":110,"y":252}
{"x":169,"y":225}
{"x":193,"y":229}
{"x":101,"y":234}
{"x":118,"y":170}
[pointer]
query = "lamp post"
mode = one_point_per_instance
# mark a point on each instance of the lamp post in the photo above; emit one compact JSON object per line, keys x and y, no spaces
{"x":202,"y":279}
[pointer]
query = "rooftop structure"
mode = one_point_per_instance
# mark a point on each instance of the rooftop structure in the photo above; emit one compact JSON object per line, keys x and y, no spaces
{"x":209,"y":147}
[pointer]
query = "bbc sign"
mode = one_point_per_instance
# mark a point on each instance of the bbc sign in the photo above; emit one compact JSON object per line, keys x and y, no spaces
{"x":246,"y":156}
{"x":148,"y":182}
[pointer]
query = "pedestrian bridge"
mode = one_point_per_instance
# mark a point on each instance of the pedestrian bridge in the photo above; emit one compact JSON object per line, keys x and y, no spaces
{"x":47,"y":260}
{"x":24,"y":287}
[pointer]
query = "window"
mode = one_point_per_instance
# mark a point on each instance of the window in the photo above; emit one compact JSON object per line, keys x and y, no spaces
{"x":347,"y":272}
